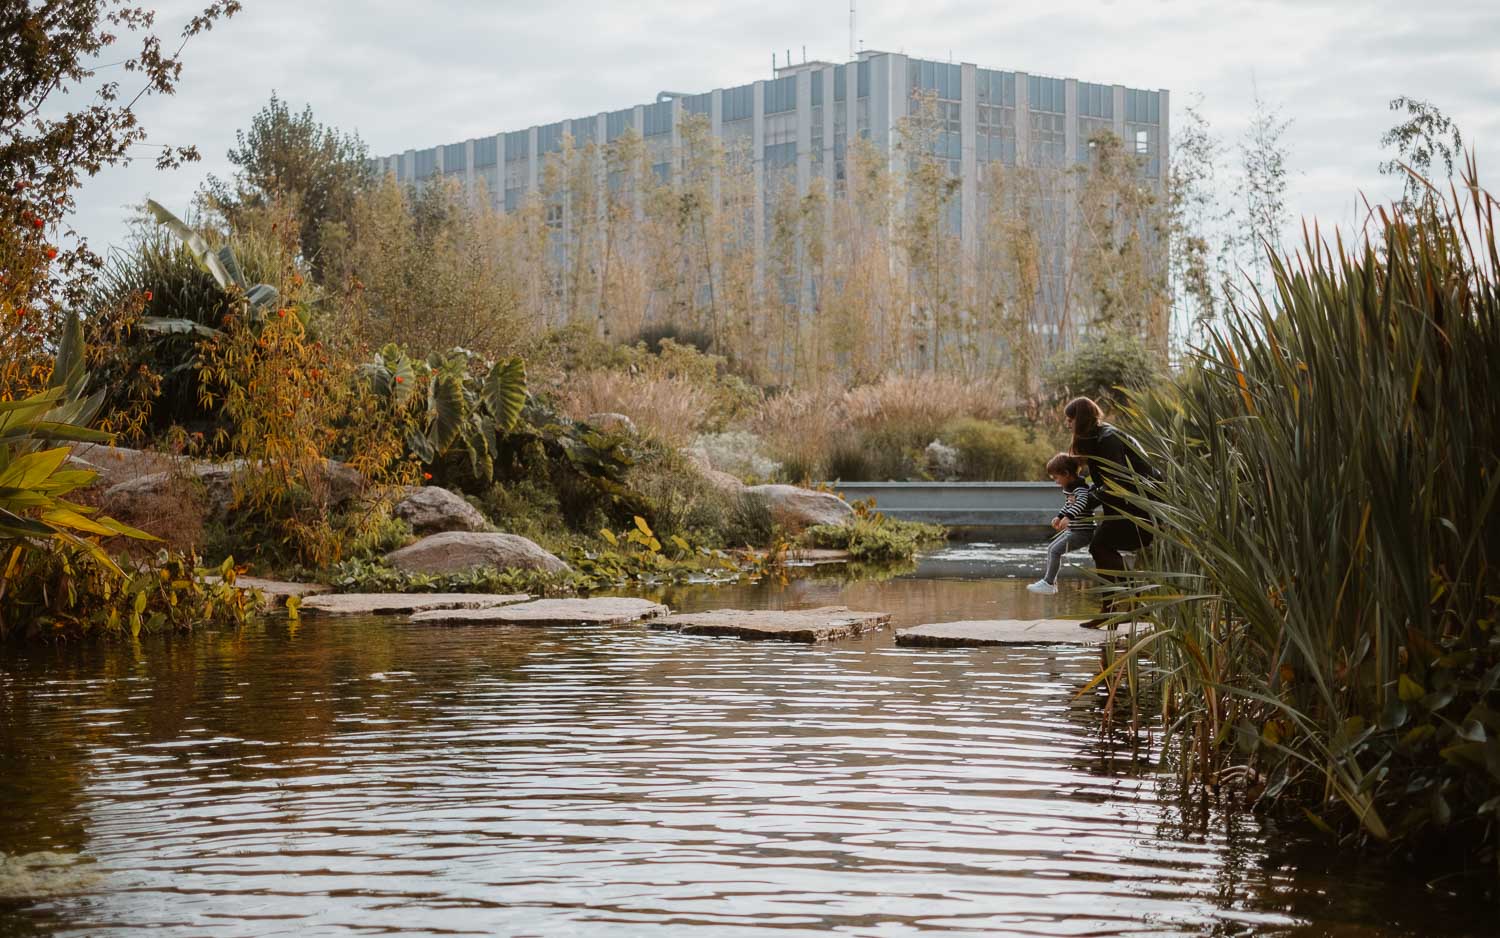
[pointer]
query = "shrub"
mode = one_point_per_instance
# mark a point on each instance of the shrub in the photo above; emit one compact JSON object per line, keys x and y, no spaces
{"x":739,"y":453}
{"x":877,"y":454}
{"x":1100,"y":366}
{"x":997,"y":452}
{"x":920,"y":405}
{"x":670,"y":409}
{"x":657,"y":336}
{"x":875,"y":538}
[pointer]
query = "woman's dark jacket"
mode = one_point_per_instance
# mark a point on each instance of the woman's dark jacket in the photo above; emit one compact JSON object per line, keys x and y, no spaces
{"x":1113,"y":461}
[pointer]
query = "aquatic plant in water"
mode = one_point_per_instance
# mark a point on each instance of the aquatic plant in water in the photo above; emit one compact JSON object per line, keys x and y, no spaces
{"x":1326,"y":579}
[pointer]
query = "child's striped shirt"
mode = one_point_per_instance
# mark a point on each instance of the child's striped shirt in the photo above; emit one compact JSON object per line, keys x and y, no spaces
{"x":1079,"y":508}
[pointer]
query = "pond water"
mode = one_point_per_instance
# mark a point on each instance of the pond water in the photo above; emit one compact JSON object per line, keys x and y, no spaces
{"x":373,"y":776}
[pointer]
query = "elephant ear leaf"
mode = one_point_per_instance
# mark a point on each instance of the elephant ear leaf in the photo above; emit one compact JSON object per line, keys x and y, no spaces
{"x":445,"y":401}
{"x":505,"y":393}
{"x":194,"y":242}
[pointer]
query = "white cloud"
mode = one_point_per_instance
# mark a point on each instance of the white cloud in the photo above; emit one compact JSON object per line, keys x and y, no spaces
{"x":416,"y":74}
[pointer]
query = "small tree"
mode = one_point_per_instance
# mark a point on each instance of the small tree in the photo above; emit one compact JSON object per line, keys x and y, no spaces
{"x":46,"y":153}
{"x":1101,"y":366}
{"x":291,"y":158}
{"x":1425,"y":135}
{"x":1262,"y":188}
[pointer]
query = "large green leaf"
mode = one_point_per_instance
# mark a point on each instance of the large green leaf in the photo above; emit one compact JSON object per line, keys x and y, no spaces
{"x":446,"y":410}
{"x":505,"y":393}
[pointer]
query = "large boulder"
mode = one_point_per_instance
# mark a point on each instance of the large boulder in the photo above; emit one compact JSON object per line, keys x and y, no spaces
{"x":215,"y":480}
{"x":700,"y":462}
{"x":341,"y":483}
{"x":117,"y":464}
{"x":797,"y":508}
{"x":430,"y":509}
{"x":458,"y":551}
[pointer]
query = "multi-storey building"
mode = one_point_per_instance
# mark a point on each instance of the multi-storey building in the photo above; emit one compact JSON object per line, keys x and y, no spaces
{"x":802,"y":120}
{"x":799,"y":125}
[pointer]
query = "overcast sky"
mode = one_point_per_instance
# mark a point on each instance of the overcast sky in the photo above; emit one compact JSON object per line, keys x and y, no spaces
{"x":415,"y":73}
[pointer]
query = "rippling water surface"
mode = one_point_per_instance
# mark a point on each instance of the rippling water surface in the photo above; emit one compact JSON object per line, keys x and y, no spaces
{"x":374,"y":776}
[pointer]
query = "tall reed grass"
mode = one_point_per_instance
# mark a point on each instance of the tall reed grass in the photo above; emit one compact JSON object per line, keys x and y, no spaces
{"x":1325,"y":582}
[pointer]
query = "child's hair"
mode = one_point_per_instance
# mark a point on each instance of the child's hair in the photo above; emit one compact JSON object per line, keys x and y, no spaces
{"x":1063,"y":464}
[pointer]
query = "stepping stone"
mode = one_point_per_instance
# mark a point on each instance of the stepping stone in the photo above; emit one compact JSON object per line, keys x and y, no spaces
{"x":604,"y":610}
{"x":1002,"y":632}
{"x":787,"y":625}
{"x":400,"y":604}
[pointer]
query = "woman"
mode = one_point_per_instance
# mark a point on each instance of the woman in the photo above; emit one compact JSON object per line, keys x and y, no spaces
{"x":1115,"y":468}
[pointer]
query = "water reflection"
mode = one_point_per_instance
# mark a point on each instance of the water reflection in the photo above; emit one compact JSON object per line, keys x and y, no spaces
{"x":374,"y":775}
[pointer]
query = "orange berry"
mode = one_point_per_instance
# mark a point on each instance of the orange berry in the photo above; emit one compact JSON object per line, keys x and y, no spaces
{"x":400,"y":380}
{"x":148,"y":296}
{"x":427,"y":476}
{"x":36,"y":221}
{"x":51,"y":253}
{"x":281,"y":313}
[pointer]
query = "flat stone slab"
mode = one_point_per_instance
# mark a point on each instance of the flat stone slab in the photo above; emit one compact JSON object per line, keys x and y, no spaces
{"x":1002,"y":632}
{"x":603,"y":610}
{"x":787,"y":625}
{"x":400,"y":604}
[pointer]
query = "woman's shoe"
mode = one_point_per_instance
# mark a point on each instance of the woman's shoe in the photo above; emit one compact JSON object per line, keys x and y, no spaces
{"x":1042,"y":586}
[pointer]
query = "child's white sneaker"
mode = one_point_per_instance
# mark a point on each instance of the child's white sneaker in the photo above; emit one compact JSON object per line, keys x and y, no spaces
{"x":1042,"y":586}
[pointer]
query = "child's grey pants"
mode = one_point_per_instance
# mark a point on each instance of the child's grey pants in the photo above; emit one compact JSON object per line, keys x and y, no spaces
{"x":1064,"y":542}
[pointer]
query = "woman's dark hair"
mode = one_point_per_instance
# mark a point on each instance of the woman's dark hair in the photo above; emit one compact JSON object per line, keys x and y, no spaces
{"x":1063,"y":464}
{"x":1086,"y":417}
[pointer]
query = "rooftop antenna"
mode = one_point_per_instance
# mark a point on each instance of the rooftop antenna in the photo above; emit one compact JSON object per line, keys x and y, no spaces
{"x":851,"y":30}
{"x":773,"y":64}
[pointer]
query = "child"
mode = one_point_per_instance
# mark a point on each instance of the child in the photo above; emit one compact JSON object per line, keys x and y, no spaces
{"x":1074,"y":524}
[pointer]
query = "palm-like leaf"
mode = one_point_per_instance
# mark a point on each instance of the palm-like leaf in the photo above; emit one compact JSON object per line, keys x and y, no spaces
{"x":194,"y":241}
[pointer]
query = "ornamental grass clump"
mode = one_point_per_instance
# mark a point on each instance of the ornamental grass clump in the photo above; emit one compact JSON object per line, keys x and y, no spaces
{"x":1327,"y":585}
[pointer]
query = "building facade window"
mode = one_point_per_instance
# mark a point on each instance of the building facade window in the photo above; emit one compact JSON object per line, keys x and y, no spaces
{"x":995,"y":134}
{"x":1144,"y":141}
{"x":486,"y":151}
{"x":1089,"y":129}
{"x":780,"y":95}
{"x":1142,"y":107}
{"x":941,"y":77}
{"x":658,"y":119}
{"x":426,"y":163}
{"x":738,"y":103}
{"x":1049,"y":139}
{"x":617,"y":122}
{"x":781,"y":128}
{"x":517,"y":146}
{"x":455,"y":160}
{"x":1096,"y":100}
{"x":549,"y":138}
{"x":1046,"y":94}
